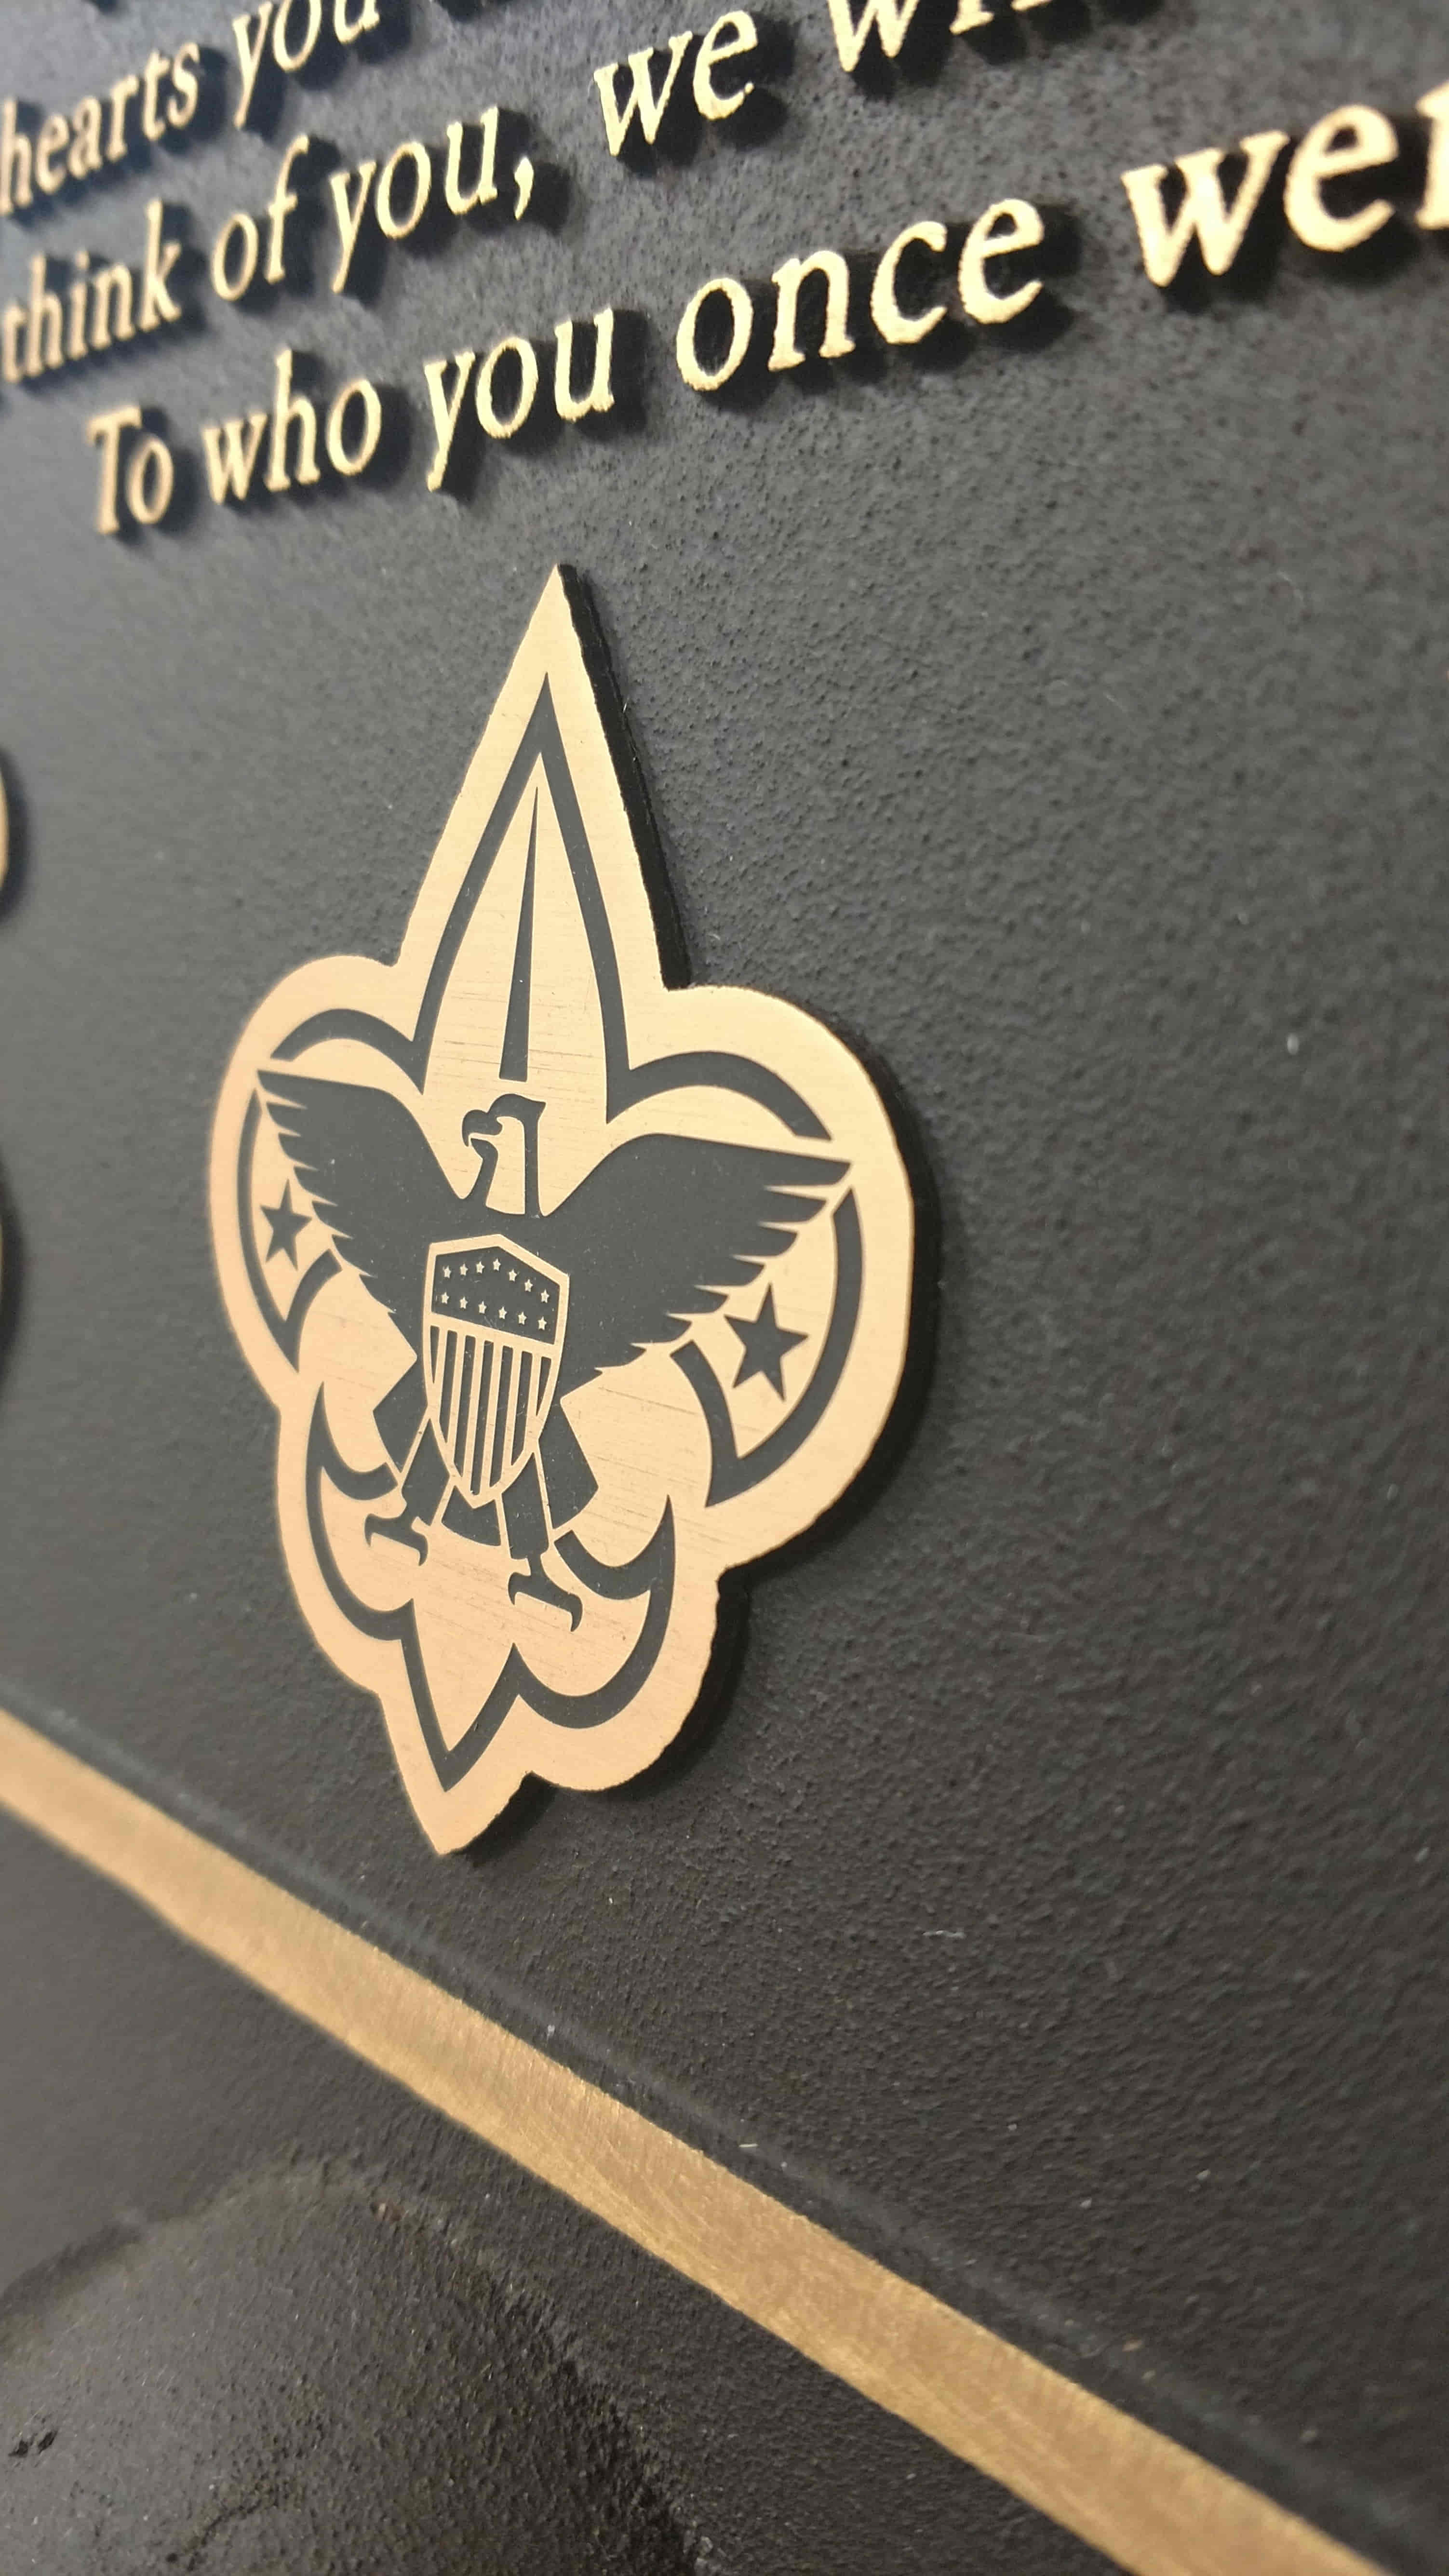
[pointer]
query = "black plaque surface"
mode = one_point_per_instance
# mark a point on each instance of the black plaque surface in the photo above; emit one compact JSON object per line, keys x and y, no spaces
{"x":1051,"y":1899}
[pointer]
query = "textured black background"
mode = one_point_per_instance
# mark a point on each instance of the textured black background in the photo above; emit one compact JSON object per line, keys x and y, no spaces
{"x":140,"y":2080}
{"x":1059,"y":1905}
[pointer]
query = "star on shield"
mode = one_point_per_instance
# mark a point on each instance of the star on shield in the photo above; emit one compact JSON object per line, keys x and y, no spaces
{"x":531,"y":1393}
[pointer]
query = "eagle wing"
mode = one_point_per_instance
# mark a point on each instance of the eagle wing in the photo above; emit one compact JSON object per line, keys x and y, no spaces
{"x":666,"y":1229}
{"x":372,"y":1177}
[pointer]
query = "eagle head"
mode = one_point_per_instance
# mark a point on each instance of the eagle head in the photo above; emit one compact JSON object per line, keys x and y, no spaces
{"x":478,"y":1126}
{"x":481,"y":1126}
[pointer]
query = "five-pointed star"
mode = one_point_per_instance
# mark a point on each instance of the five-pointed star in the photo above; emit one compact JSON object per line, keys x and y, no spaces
{"x":765,"y":1344}
{"x":286,"y":1223}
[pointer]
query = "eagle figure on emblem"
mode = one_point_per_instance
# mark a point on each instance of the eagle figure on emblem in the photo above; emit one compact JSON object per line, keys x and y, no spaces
{"x":508,"y":1313}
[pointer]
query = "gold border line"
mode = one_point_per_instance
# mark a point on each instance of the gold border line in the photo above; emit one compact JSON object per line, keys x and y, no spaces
{"x":1154,"y":2507}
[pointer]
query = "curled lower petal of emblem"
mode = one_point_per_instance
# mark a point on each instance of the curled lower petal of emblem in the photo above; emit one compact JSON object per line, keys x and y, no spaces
{"x":571,"y":1290}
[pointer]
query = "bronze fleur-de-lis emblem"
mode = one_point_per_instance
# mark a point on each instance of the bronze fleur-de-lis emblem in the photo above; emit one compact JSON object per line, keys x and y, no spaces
{"x":571,"y":1290}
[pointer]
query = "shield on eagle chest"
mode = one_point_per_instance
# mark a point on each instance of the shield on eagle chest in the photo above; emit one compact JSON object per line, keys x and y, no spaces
{"x":493,"y":1335}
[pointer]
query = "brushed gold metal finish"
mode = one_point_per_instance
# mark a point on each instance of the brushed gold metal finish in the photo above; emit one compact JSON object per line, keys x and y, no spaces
{"x":643,"y":1431}
{"x":1146,"y":2502}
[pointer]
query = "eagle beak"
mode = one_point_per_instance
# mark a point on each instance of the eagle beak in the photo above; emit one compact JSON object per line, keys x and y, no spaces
{"x":478,"y":1124}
